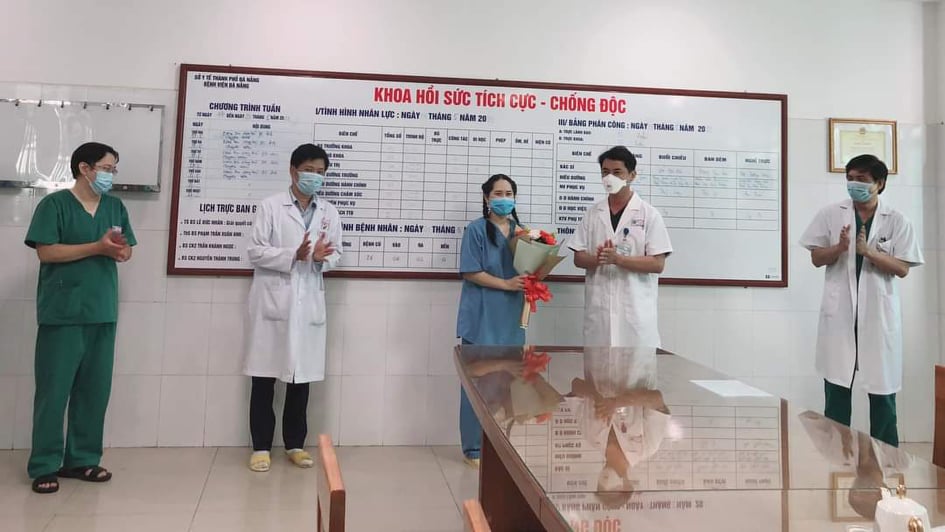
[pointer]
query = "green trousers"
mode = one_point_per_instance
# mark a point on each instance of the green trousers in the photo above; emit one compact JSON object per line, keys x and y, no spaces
{"x":838,"y":404}
{"x":73,"y":367}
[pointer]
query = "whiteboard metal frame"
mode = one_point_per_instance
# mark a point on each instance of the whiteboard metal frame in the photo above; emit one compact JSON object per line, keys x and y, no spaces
{"x":187,"y":68}
{"x":156,"y":187}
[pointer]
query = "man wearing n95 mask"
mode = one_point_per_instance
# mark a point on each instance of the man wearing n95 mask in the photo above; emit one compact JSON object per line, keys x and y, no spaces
{"x":296,"y":238}
{"x":866,"y":245}
{"x":620,"y":413}
{"x":622,"y":242}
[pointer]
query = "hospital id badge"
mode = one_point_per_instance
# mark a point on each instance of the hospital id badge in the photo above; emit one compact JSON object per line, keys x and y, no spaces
{"x":625,"y":244}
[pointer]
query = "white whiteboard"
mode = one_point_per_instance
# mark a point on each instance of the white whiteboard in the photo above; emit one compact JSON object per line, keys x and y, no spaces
{"x":408,"y":156}
{"x":37,"y":138}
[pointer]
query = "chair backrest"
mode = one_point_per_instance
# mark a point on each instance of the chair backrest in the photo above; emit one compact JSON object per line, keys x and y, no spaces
{"x":474,"y":517}
{"x":938,"y":445}
{"x":331,"y":489}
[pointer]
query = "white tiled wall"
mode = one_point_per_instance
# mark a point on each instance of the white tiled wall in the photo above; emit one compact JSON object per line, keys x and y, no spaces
{"x":391,"y":379}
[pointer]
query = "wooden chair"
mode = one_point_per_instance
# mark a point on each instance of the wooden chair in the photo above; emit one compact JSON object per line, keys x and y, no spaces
{"x":331,"y":489}
{"x":938,"y":445}
{"x":474,"y":517}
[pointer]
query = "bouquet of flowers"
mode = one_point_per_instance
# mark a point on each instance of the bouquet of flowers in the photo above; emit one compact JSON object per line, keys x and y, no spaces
{"x":531,"y":398}
{"x":536,"y":254}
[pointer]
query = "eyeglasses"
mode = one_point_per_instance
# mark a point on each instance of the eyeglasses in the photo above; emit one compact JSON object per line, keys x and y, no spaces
{"x":109,"y":169}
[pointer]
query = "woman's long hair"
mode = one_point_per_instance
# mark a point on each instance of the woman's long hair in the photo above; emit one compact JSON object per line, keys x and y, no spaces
{"x":486,"y":190}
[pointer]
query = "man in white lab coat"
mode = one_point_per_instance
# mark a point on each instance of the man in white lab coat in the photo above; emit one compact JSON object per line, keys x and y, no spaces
{"x":296,"y":238}
{"x":620,"y":412}
{"x":866,"y":246}
{"x":622,"y":242}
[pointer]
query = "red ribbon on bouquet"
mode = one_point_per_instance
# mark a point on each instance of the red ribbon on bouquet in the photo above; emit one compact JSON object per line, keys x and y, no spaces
{"x":533,"y":363}
{"x":535,"y":291}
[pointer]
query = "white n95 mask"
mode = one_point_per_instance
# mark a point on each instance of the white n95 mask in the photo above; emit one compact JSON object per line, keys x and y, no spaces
{"x":610,"y":480}
{"x":613,"y":184}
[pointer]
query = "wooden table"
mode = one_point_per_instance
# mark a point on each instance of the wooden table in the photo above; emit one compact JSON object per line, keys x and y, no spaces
{"x":696,"y":450}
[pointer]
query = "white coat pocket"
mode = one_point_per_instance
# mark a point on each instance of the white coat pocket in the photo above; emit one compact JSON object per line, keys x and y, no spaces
{"x":276,"y":300}
{"x":318,"y":310}
{"x":890,"y":315}
{"x":831,"y":301}
{"x":314,"y":295}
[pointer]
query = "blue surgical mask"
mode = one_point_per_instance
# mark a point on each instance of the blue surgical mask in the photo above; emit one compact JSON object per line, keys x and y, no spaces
{"x":859,"y":192}
{"x":102,"y":183}
{"x":502,"y":206}
{"x":310,"y":183}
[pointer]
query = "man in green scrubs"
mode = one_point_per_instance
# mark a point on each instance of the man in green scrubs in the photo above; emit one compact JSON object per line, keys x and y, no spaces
{"x":79,"y":236}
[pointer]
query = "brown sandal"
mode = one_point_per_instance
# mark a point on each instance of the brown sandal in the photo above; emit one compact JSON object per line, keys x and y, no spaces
{"x":86,"y":473}
{"x":52,"y":482}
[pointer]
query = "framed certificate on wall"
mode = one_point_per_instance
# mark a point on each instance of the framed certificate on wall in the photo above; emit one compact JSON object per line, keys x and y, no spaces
{"x":852,"y":137}
{"x":841,"y":483}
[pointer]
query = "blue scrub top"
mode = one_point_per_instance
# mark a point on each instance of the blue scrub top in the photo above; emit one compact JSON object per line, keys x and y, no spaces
{"x":488,"y":316}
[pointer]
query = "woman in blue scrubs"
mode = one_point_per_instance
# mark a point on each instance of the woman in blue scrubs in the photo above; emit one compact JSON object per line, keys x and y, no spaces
{"x":490,"y":304}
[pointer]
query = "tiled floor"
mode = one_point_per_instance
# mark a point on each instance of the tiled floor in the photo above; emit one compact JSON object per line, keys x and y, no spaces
{"x":410,"y":489}
{"x":210,"y":490}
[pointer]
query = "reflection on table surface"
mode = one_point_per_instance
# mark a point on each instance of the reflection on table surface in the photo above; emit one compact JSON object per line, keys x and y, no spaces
{"x":651,"y":439}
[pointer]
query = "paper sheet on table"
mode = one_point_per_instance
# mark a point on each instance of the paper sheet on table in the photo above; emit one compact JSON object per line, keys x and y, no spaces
{"x":731,"y":388}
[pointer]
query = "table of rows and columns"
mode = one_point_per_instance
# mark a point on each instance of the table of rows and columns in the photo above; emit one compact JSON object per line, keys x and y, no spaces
{"x":430,"y":175}
{"x":694,"y":189}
